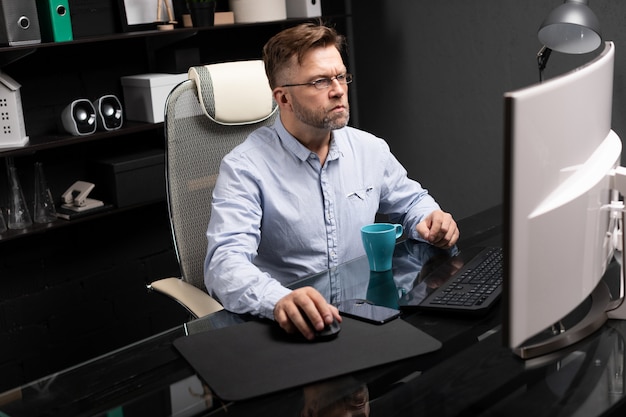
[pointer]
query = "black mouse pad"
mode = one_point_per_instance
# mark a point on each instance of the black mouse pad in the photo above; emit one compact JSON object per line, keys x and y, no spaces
{"x":257,"y":358}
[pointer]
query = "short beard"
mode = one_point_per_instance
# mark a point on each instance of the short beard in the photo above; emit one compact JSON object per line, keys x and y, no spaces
{"x":313,"y":118}
{"x":336,"y":123}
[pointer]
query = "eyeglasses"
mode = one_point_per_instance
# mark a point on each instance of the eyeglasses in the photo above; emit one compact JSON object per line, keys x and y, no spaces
{"x":324,"y":83}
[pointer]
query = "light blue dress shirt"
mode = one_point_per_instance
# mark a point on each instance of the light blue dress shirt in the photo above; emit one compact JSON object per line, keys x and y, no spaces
{"x":278,"y":215}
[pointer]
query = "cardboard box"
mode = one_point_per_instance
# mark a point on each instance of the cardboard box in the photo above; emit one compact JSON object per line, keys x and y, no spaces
{"x":131,"y":179}
{"x":250,"y":11}
{"x":224,"y":18}
{"x":145,"y":95}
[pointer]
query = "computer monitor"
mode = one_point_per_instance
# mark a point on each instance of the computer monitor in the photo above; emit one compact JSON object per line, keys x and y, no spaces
{"x":559,"y":232}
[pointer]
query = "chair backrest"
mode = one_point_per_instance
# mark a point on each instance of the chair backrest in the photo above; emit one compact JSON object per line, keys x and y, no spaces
{"x":205,"y":118}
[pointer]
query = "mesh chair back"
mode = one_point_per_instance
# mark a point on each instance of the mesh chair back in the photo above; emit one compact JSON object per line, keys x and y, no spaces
{"x":195,"y":146}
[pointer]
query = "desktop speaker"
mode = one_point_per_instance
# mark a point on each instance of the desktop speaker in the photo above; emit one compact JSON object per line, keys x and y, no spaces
{"x":109,"y":112}
{"x":304,"y":8}
{"x":79,"y":117}
{"x":54,"y":20}
{"x":19,"y":24}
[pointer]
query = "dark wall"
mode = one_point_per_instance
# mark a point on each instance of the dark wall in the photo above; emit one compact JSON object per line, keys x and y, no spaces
{"x":430,"y":76}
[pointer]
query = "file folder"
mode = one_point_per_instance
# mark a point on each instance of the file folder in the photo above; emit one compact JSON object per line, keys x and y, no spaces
{"x":54,"y":20}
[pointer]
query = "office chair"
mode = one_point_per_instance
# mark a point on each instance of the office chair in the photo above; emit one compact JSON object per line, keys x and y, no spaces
{"x":205,"y":117}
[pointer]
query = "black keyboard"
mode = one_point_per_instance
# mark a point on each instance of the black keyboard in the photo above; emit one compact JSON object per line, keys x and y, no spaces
{"x":470,"y":282}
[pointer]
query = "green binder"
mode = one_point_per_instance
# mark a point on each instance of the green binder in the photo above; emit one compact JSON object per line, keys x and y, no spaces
{"x":54,"y":20}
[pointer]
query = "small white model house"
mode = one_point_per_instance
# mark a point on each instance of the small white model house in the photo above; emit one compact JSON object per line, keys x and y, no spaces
{"x":12,"y":129}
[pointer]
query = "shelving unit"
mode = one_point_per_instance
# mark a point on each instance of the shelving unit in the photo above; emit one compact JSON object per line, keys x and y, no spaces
{"x":52,"y":75}
{"x":72,"y":290}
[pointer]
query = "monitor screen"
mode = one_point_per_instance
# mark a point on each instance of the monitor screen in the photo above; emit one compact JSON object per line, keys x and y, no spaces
{"x":560,"y":153}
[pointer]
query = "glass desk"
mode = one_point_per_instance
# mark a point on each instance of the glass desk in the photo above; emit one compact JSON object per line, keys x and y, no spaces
{"x":473,"y":374}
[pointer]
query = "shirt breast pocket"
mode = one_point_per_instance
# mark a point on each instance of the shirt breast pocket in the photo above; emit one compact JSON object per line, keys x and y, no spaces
{"x":363,"y":197}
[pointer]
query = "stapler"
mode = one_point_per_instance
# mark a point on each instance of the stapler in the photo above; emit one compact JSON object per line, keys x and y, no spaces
{"x":75,"y":198}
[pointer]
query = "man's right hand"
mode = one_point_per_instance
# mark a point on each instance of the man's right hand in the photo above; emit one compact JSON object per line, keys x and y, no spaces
{"x":307,"y":300}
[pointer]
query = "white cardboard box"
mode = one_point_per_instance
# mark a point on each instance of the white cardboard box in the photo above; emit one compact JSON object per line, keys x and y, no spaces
{"x":250,"y":11}
{"x":145,"y":95}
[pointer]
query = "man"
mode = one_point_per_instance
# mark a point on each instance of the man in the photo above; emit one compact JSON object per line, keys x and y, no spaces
{"x":290,"y":201}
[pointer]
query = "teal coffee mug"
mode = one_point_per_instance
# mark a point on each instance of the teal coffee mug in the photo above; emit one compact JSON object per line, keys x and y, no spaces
{"x":379,"y":241}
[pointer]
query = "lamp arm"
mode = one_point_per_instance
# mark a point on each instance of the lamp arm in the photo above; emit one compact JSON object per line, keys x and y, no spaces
{"x":542,"y":59}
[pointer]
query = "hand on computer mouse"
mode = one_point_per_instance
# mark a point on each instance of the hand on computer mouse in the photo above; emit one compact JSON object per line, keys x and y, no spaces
{"x":291,"y":310}
{"x":330,"y":331}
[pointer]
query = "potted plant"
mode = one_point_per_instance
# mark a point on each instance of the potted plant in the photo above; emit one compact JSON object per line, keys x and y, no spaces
{"x":202,"y":12}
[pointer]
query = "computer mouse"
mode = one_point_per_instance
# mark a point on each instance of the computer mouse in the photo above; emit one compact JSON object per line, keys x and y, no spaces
{"x":330,"y":331}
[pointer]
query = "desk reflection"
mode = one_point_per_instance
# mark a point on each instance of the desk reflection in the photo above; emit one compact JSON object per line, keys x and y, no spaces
{"x":412,"y":266}
{"x":412,"y":261}
{"x":585,"y":380}
{"x":148,"y":378}
{"x":341,"y":397}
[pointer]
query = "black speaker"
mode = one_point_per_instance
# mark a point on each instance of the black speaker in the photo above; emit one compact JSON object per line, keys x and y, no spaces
{"x":109,"y":112}
{"x":19,"y":24}
{"x":79,"y":117}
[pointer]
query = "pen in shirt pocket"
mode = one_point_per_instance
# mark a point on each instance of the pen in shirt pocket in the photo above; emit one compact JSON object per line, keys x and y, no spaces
{"x":356,"y":193}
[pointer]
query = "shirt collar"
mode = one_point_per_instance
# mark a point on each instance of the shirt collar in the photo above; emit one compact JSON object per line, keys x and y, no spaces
{"x":299,"y":149}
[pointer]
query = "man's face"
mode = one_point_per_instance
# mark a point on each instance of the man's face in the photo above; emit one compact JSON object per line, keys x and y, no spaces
{"x":327,"y":108}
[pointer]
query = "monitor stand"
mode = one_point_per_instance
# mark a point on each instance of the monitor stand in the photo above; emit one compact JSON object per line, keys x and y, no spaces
{"x":585,"y":319}
{"x":595,"y":311}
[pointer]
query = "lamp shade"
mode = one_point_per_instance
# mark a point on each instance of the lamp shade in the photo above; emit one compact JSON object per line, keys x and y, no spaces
{"x":571,"y":28}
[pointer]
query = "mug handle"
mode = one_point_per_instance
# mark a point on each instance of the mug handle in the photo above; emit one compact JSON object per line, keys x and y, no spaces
{"x":399,"y":230}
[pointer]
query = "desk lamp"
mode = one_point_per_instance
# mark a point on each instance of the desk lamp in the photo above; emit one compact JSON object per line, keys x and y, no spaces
{"x":571,"y":28}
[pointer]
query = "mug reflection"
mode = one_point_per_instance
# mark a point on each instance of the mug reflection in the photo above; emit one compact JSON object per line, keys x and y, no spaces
{"x":382,"y":290}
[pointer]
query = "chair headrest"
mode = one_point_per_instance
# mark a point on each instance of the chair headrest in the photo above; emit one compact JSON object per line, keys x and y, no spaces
{"x":234,"y":93}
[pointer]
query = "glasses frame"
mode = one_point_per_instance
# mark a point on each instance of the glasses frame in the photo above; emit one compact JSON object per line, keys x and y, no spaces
{"x":324,"y":83}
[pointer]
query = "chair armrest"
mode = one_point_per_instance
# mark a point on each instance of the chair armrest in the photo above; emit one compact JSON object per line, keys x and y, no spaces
{"x":196,"y":301}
